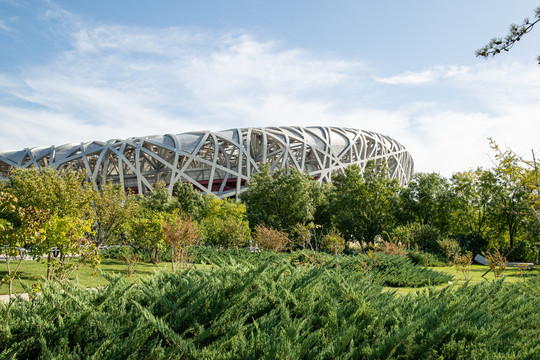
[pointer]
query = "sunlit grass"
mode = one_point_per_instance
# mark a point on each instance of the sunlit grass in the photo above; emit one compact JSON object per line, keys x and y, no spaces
{"x":33,"y":272}
{"x":475,"y":276}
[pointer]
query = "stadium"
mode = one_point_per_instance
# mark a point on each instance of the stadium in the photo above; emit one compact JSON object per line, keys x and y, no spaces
{"x":218,"y":163}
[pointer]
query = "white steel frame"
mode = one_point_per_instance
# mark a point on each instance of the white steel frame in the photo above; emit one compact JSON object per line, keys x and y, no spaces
{"x":218,"y":163}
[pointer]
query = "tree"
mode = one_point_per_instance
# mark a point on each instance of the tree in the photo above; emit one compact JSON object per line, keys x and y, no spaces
{"x":181,"y":235}
{"x":68,"y":235}
{"x":19,"y":227}
{"x":512,"y":204}
{"x":68,"y":198}
{"x":524,"y":175}
{"x":159,"y":199}
{"x":61,"y":193}
{"x":496,"y":45}
{"x":280,"y":200}
{"x":190,"y":201}
{"x":474,"y":192}
{"x":427,"y":200}
{"x":363,"y":203}
{"x":113,"y":208}
{"x":145,"y":230}
{"x":224,"y":224}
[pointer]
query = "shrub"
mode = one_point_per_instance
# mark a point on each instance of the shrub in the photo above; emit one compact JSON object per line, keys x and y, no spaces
{"x":271,"y":239}
{"x":417,"y":235}
{"x":332,"y":242}
{"x":181,"y":235}
{"x":389,"y":247}
{"x":227,"y":233}
{"x":130,"y":258}
{"x":463,"y":263}
{"x":225,"y":225}
{"x":423,"y":258}
{"x":496,"y":262}
{"x":272,"y":310}
{"x":450,"y":248}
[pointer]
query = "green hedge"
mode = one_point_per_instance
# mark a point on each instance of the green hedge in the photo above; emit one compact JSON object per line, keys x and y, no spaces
{"x":272,"y":310}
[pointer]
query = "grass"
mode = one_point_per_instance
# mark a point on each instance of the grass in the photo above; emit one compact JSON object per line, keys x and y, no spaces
{"x":475,"y":276}
{"x":32,"y":272}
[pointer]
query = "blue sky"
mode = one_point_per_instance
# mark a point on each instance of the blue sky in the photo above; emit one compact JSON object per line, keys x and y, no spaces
{"x":73,"y":71}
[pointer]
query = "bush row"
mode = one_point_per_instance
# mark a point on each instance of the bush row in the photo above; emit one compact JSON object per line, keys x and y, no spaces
{"x":269,"y":310}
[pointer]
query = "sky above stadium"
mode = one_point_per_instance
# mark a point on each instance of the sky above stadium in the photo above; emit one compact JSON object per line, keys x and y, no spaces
{"x":74,"y":71}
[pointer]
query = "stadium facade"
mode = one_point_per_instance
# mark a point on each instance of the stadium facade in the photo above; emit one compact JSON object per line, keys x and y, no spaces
{"x":217,"y":162}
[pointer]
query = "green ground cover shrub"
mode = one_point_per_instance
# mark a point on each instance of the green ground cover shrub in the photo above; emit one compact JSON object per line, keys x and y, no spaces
{"x":423,"y":258}
{"x":272,"y":310}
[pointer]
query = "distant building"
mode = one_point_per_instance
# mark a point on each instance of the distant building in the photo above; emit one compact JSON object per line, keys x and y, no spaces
{"x":217,"y":162}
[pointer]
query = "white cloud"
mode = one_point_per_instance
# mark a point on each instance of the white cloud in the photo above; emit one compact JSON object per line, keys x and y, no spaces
{"x":5,"y":27}
{"x":425,"y":76}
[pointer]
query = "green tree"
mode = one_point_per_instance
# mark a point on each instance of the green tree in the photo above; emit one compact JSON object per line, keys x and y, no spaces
{"x":68,"y":198}
{"x":225,"y":225}
{"x":427,"y":200}
{"x":68,"y":238}
{"x":113,"y":208}
{"x":19,"y":227}
{"x":159,"y":199}
{"x":281,"y":199}
{"x":512,"y":207}
{"x":190,"y":201}
{"x":145,"y":231}
{"x":474,"y":192}
{"x":60,"y":193}
{"x":522,"y":175}
{"x":363,"y":203}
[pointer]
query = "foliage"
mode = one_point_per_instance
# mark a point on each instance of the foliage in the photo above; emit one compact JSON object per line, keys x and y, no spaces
{"x":427,"y":200}
{"x":68,"y":198}
{"x":475,"y":196}
{"x":190,"y":201}
{"x":496,"y":262}
{"x":159,"y":199}
{"x":362,"y":202}
{"x":422,"y":258}
{"x":65,"y":246}
{"x":415,"y":235}
{"x":224,"y":224}
{"x":272,"y":310}
{"x":18,"y":227}
{"x":463,"y":263}
{"x":522,"y":212}
{"x":61,"y":193}
{"x":496,"y":45}
{"x":332,"y":242}
{"x":181,"y":235}
{"x":271,"y":239}
{"x":145,"y":231}
{"x":113,"y":209}
{"x":449,"y":247}
{"x":280,"y":199}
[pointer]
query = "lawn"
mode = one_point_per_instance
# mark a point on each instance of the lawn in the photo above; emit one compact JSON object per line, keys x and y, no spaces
{"x":33,"y":271}
{"x":475,"y":276}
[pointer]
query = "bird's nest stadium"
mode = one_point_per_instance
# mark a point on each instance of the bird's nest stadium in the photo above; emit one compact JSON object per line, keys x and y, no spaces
{"x":218,"y":163}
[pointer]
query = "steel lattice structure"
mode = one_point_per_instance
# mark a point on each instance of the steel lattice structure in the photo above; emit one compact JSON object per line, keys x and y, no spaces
{"x":217,"y":162}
